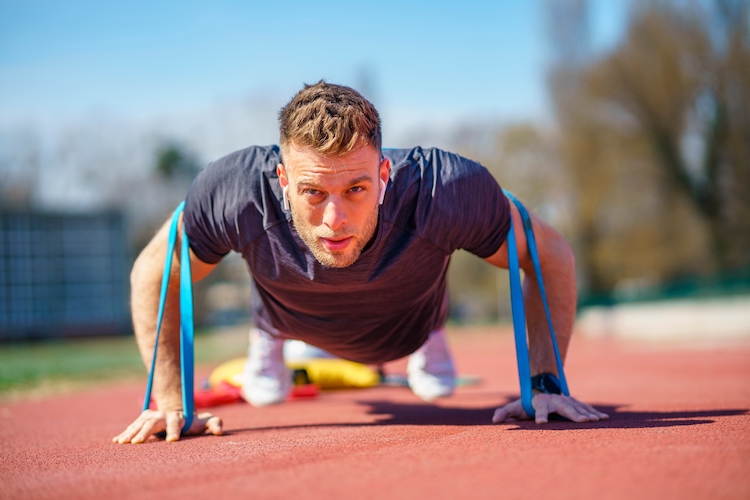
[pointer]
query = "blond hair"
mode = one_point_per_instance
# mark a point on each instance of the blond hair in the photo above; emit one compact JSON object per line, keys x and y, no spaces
{"x":333,"y":120}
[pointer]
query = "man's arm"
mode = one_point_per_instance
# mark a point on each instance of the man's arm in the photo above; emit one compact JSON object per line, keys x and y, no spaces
{"x":558,"y":267}
{"x":145,"y":281}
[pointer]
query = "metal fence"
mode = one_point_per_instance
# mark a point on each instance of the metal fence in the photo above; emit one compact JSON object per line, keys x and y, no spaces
{"x":63,"y":275}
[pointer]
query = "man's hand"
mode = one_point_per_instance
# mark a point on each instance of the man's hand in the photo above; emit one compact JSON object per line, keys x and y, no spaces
{"x":152,"y":422}
{"x":544,"y":404}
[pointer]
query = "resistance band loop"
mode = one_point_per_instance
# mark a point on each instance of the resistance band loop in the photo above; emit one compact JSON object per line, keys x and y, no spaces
{"x":517,"y":307}
{"x":186,"y":320}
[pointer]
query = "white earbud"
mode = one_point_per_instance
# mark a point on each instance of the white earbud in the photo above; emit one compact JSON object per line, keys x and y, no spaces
{"x":286,"y":200}
{"x":382,"y":191}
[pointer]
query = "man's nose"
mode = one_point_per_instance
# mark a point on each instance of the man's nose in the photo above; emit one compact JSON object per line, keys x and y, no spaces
{"x":334,"y":215}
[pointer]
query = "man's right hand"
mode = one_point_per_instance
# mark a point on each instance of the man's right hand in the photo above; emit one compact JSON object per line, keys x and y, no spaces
{"x":152,"y":422}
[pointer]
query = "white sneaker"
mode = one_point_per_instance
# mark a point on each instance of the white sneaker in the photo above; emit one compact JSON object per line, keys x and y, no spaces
{"x":266,"y":379}
{"x":430,"y":369}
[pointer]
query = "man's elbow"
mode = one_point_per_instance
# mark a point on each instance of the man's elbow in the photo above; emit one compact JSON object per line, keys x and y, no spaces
{"x":143,"y":269}
{"x":558,"y":252}
{"x":135,"y":275}
{"x":566,"y":253}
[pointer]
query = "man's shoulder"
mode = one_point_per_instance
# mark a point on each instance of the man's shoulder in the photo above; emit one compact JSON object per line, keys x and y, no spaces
{"x":445,"y":164}
{"x":238,"y":180}
{"x":430,"y":183}
{"x":233,"y":192}
{"x":240,"y":173}
{"x":444,"y":197}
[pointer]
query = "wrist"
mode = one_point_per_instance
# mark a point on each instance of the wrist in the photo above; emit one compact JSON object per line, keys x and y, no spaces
{"x":545,"y":383}
{"x":168,"y":403}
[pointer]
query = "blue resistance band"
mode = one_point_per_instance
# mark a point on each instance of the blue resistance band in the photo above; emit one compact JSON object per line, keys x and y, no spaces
{"x":517,"y":308}
{"x":187,"y":332}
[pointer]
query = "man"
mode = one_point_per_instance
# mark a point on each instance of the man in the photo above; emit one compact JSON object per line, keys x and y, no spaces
{"x":348,"y":249}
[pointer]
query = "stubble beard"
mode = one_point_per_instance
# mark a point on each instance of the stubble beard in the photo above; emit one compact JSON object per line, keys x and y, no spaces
{"x":327,"y":258}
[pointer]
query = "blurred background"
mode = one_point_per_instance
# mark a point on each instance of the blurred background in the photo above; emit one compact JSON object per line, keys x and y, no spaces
{"x":625,"y":124}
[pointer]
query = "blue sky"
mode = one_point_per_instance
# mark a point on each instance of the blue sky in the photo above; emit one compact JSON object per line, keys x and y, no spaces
{"x":138,"y":59}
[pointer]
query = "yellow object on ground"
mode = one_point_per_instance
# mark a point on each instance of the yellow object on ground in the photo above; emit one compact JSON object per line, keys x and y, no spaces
{"x":229,"y":372}
{"x":326,"y":373}
{"x":329,"y":373}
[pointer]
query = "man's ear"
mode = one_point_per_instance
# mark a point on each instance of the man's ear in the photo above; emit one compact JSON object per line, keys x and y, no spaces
{"x":281,"y":173}
{"x":385,"y":170}
{"x":284,"y":183}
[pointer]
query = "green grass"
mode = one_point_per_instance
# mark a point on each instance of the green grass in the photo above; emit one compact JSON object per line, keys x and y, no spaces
{"x":44,"y":367}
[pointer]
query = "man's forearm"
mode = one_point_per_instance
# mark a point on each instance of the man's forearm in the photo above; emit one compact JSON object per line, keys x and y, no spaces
{"x":145,"y":287}
{"x":558,"y":269}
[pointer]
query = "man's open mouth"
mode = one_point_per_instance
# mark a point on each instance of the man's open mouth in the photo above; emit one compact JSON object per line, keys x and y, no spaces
{"x":336,"y":244}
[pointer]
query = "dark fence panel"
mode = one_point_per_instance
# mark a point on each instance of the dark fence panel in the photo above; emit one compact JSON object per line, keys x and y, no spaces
{"x":63,"y":275}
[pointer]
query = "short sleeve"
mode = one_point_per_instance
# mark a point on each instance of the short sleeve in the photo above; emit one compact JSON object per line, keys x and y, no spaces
{"x":204,"y":217}
{"x":473,"y":212}
{"x":232,"y":201}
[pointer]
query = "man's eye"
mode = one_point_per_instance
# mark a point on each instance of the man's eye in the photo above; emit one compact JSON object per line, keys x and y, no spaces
{"x":357,"y":189}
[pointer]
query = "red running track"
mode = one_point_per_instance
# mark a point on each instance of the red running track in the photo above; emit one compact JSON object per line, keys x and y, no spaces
{"x":679,"y":428}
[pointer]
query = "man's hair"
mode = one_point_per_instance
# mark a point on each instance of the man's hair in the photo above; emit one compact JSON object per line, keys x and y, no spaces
{"x":333,"y":120}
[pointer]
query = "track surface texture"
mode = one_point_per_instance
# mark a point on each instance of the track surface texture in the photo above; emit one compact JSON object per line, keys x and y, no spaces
{"x":679,"y":428}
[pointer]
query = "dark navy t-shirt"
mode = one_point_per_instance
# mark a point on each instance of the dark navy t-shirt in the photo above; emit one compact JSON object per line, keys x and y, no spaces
{"x":384,"y":305}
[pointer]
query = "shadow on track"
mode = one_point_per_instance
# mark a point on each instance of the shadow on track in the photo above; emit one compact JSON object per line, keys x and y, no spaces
{"x":619,"y":419}
{"x":424,"y":414}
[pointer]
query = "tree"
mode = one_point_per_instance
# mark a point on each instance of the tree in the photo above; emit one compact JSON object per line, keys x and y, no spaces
{"x":671,"y":107}
{"x":173,"y":159}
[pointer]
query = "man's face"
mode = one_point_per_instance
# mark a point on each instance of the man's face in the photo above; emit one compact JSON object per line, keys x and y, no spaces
{"x":334,"y":200}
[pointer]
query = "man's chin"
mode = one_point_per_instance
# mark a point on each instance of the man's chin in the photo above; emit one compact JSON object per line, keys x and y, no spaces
{"x":335,"y":260}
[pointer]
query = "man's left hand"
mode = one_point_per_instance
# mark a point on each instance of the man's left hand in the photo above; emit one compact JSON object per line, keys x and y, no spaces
{"x":544,"y":404}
